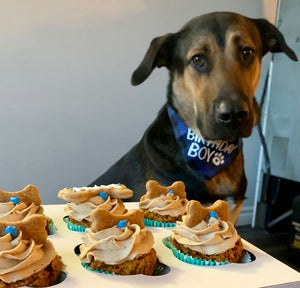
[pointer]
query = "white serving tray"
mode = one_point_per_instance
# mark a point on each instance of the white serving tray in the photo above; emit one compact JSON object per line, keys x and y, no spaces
{"x":264,"y":271}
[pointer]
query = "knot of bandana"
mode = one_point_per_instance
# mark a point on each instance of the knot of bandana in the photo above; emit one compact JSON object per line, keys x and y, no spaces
{"x":207,"y":158}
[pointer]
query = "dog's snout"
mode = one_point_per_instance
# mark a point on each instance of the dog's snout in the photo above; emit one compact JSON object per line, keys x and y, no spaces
{"x":228,"y":113}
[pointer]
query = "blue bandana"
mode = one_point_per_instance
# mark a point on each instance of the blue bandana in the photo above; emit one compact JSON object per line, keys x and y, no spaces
{"x":207,"y":158}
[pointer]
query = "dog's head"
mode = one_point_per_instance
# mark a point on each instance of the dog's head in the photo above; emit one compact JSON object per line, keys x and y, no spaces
{"x":214,"y":63}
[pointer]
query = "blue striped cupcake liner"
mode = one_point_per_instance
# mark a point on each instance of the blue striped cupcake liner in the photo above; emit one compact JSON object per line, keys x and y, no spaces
{"x":87,"y":266}
{"x":189,"y":259}
{"x":51,"y":229}
{"x":160,"y":268}
{"x":154,"y":223}
{"x":72,"y":226}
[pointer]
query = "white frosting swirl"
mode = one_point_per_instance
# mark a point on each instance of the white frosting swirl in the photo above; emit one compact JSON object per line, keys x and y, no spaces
{"x":80,"y":211}
{"x":21,"y":258}
{"x":212,"y":237}
{"x":168,"y":204}
{"x":116,"y":245}
{"x":10,"y":212}
{"x":96,"y":187}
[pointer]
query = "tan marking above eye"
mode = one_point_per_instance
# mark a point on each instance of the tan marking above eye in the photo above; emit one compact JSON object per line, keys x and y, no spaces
{"x":204,"y":45}
{"x":194,"y":52}
{"x":239,"y":37}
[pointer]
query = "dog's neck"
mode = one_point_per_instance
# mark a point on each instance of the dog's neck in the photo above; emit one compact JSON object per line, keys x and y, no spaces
{"x":206,"y":158}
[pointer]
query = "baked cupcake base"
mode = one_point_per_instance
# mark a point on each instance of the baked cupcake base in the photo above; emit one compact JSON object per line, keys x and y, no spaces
{"x":161,"y":218}
{"x":83,"y":223}
{"x":155,"y":220}
{"x":199,"y":259}
{"x":231,"y":255}
{"x":74,"y":225}
{"x":144,"y":264}
{"x":44,"y":278}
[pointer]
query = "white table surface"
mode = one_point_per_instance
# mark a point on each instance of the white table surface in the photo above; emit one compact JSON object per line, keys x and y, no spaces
{"x":264,"y":271}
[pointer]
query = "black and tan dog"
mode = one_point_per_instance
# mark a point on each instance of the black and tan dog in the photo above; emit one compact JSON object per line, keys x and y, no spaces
{"x":214,"y":63}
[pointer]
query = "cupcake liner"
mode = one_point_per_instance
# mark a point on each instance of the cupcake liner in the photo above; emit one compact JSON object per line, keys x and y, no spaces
{"x":189,"y":259}
{"x":51,"y":229}
{"x":154,"y":223}
{"x":159,"y":270}
{"x":246,"y":257}
{"x":87,"y":266}
{"x":74,"y":227}
{"x":61,"y":277}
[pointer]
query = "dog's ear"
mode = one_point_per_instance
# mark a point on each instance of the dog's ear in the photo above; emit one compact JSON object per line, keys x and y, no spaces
{"x":272,"y":39}
{"x":157,"y":55}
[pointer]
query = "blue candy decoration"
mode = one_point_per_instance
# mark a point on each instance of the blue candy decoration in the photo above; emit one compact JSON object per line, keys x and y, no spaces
{"x":103,"y":195}
{"x":213,"y":214}
{"x":15,"y":200}
{"x":170,"y":192}
{"x":12,"y":230}
{"x":122,"y":224}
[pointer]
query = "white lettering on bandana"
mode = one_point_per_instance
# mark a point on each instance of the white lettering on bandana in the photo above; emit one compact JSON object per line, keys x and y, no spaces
{"x":206,"y":157}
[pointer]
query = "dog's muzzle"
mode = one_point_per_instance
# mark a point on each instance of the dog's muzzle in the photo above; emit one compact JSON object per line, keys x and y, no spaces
{"x":228,"y":119}
{"x":228,"y":112}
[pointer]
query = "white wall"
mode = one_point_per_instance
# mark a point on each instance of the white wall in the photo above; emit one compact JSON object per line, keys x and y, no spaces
{"x":67,"y":109}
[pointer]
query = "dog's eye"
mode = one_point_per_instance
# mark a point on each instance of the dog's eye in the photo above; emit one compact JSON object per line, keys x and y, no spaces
{"x":247,"y":55}
{"x":199,"y":62}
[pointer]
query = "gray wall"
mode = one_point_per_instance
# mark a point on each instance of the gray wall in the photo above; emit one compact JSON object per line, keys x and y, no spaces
{"x":282,"y":123}
{"x":67,"y":109}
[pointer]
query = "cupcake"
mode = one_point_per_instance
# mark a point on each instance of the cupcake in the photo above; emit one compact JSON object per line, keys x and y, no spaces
{"x":16,"y":206}
{"x":81,"y":201}
{"x":27,"y":258}
{"x":163,"y":206}
{"x":205,"y":236}
{"x":118,"y":244}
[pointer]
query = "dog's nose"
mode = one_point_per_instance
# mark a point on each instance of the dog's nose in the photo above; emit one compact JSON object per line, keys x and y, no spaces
{"x":227,"y":113}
